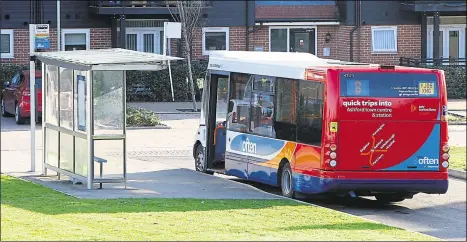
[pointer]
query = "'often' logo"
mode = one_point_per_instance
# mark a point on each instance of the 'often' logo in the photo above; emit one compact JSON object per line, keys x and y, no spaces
{"x":427,"y":161}
{"x":248,"y":146}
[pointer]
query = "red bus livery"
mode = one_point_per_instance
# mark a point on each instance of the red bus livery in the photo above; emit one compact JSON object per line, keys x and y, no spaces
{"x":313,"y":126}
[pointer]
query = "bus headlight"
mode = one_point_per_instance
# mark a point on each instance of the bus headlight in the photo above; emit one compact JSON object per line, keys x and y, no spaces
{"x":333,"y":163}
{"x":445,"y":164}
{"x":333,"y":155}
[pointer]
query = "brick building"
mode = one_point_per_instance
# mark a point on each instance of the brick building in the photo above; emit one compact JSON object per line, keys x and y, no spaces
{"x":364,"y":31}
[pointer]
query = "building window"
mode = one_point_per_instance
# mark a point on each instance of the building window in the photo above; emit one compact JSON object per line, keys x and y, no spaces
{"x":384,"y":39}
{"x":150,"y":40}
{"x":76,"y":39}
{"x":6,"y":43}
{"x":293,"y":39}
{"x":215,"y":39}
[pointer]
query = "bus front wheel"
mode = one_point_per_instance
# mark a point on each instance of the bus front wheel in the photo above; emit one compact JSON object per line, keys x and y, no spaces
{"x":287,"y":181}
{"x":200,"y":161}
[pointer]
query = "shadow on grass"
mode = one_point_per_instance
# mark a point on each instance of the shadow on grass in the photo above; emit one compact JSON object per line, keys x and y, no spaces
{"x":37,"y":198}
{"x":338,"y":226}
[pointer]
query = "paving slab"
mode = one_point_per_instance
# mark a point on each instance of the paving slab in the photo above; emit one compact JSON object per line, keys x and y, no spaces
{"x":145,"y":180}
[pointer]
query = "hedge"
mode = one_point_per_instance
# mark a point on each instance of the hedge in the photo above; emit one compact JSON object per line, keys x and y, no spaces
{"x":455,"y":80}
{"x":157,"y":83}
{"x":155,"y":86}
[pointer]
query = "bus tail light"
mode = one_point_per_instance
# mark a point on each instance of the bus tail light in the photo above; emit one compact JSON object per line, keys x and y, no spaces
{"x":333,"y":163}
{"x":445,"y":164}
{"x":445,"y":156}
{"x":333,"y":155}
{"x":446,"y":148}
{"x":333,"y":147}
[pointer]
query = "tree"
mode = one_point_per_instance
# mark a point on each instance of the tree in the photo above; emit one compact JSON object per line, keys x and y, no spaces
{"x":188,"y":15}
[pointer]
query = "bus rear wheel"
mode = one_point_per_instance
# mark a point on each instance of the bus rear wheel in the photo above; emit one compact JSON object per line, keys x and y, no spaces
{"x":287,"y":182}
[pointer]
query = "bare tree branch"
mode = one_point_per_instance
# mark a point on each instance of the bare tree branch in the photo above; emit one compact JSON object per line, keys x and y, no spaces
{"x":188,"y":15}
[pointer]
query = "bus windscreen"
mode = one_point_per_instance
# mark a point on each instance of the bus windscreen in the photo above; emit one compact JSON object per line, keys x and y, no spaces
{"x":389,"y":85}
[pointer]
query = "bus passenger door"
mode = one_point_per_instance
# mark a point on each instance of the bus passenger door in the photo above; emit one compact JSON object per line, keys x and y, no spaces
{"x":216,"y":116}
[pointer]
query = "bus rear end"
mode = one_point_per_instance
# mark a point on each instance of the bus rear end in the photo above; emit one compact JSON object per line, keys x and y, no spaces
{"x":391,"y":136}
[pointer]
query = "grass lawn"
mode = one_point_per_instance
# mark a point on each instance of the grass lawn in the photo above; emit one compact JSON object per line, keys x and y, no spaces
{"x":456,"y":119}
{"x":33,"y":212}
{"x":457,"y":159}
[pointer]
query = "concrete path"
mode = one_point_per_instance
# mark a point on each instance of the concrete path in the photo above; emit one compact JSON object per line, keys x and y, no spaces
{"x":172,"y":176}
{"x":457,"y":104}
{"x":153,"y":180}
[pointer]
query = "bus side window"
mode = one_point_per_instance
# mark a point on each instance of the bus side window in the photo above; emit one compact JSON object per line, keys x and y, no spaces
{"x":310,"y":108}
{"x":285,"y":120}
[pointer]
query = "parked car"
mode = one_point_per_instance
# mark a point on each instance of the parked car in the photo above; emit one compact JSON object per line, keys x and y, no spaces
{"x":16,"y":96}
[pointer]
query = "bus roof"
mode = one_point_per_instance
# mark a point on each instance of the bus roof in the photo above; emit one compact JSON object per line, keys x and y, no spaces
{"x":280,"y":64}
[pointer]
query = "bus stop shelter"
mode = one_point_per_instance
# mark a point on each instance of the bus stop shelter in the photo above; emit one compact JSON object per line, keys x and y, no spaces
{"x":84,"y":111}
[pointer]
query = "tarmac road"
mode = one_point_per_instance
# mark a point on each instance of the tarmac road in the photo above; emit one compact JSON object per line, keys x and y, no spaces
{"x":441,"y":216}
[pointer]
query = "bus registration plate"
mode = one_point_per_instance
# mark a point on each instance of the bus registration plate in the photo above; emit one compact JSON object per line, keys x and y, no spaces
{"x":426,"y":88}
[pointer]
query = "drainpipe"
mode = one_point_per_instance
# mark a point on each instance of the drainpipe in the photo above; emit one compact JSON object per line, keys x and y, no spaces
{"x":248,"y":32}
{"x":357,"y":24}
{"x":253,"y":31}
{"x":247,"y":27}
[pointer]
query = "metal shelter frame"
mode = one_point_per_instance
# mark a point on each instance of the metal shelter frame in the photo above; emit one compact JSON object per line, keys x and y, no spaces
{"x":84,"y":111}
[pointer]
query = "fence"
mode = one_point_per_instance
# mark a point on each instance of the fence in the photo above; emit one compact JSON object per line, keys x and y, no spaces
{"x":404,"y":61}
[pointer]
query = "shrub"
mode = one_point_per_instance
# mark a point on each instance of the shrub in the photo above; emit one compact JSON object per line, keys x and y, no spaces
{"x":137,"y":117}
{"x":154,"y":86}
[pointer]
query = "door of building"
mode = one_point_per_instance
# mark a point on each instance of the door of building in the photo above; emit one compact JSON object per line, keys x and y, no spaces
{"x":303,"y":40}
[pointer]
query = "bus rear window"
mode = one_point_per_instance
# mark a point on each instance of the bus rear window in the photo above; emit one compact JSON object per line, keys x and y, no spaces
{"x":389,"y":85}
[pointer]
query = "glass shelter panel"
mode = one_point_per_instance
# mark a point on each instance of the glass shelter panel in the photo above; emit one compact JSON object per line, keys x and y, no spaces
{"x":51,"y":148}
{"x":108,"y":102}
{"x":66,"y":98}
{"x":81,"y":158}
{"x":110,"y":154}
{"x":66,"y":152}
{"x":51,"y":103}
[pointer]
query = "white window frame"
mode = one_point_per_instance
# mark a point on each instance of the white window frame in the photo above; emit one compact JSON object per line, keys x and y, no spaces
{"x":376,"y":28}
{"x":288,"y":35}
{"x":76,"y":31}
{"x":12,"y":44}
{"x":140,"y":32}
{"x":215,"y":29}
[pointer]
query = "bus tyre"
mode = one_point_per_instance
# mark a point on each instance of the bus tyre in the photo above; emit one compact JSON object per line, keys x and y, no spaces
{"x":389,"y":198}
{"x":200,"y":163}
{"x":287,"y":182}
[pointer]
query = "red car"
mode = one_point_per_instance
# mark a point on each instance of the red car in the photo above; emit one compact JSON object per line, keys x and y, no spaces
{"x":16,"y":96}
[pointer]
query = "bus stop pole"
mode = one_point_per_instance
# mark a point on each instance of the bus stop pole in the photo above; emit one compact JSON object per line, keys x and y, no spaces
{"x":32,"y":98}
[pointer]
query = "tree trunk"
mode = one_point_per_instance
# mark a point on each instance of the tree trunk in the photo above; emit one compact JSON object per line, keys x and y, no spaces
{"x":192,"y":86}
{"x":185,"y":31}
{"x":190,"y":72}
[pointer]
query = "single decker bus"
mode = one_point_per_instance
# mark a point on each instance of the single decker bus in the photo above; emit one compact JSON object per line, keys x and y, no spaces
{"x":319,"y":126}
